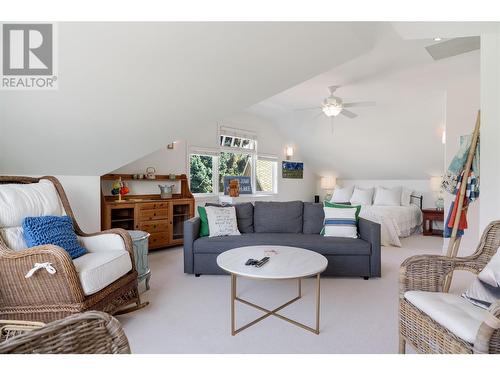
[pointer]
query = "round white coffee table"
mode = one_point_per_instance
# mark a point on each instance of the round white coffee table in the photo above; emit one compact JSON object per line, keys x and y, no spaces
{"x":285,"y":263}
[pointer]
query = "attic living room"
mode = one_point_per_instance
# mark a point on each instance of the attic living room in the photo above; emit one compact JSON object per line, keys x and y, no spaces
{"x":333,"y":208}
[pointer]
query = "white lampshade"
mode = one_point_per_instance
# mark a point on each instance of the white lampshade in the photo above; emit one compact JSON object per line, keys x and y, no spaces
{"x":328,"y":182}
{"x":436,"y":183}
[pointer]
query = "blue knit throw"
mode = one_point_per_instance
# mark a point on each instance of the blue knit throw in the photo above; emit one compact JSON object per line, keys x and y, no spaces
{"x":52,"y":230}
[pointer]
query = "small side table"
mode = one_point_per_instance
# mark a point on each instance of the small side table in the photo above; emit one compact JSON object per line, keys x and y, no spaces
{"x":431,"y":215}
{"x":140,"y":242}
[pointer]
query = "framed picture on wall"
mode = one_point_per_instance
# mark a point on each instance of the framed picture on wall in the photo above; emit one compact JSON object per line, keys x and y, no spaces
{"x":292,"y":169}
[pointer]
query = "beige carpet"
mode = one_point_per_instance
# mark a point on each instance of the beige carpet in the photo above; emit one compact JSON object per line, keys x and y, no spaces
{"x":191,"y":315}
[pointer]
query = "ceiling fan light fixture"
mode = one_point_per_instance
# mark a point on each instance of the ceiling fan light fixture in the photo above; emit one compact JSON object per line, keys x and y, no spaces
{"x":331,"y":110}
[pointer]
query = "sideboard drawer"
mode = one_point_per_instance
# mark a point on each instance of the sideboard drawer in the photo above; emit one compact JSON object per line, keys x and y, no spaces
{"x":154,"y":226}
{"x":146,"y":215}
{"x":158,"y":240}
{"x":153,"y":206}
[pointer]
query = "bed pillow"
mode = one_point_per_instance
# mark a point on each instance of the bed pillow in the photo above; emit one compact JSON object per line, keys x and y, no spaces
{"x":222,"y":221}
{"x":387,"y":197}
{"x":406,"y":197}
{"x":52,"y":230}
{"x":340,"y":222}
{"x":362,"y":196}
{"x":341,"y":195}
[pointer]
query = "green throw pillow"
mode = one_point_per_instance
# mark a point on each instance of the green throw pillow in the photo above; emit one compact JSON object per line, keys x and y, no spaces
{"x":337,"y":205}
{"x":202,"y":212}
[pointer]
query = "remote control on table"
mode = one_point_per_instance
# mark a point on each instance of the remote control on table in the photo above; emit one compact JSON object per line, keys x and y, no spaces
{"x":262,"y":262}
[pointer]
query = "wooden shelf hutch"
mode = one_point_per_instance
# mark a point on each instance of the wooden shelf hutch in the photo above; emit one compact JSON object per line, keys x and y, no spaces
{"x":162,"y":218}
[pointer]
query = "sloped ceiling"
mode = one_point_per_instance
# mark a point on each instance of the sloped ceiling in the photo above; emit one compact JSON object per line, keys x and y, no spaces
{"x":127,"y":89}
{"x":399,"y":138}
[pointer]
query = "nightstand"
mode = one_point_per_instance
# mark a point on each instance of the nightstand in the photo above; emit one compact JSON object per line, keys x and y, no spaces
{"x":431,"y":215}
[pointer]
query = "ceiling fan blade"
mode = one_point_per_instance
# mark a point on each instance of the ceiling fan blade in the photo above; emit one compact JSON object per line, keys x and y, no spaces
{"x":359,"y":104}
{"x":307,"y":109}
{"x":349,"y":114}
{"x":332,"y":89}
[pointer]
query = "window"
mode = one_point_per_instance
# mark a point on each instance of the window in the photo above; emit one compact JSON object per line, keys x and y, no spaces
{"x":236,"y":156}
{"x":266,"y":171}
{"x":201,"y":173}
{"x":233,"y":164}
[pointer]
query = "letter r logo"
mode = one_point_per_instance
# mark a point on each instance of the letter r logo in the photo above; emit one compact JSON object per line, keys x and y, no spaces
{"x":27,"y":49}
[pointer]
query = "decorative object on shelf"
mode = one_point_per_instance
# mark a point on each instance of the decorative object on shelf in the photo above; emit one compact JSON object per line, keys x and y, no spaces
{"x":328,"y":184}
{"x":120,"y":188}
{"x":289,"y":152}
{"x":436,"y":182}
{"x":138,"y":176}
{"x":234,"y":188}
{"x":140,"y":244}
{"x":171,"y":176}
{"x":245,"y":184}
{"x":150,"y":173}
{"x":292,"y":169}
{"x":166,"y":191}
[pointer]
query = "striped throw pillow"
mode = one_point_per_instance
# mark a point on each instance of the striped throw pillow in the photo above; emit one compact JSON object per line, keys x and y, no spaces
{"x":340,"y":222}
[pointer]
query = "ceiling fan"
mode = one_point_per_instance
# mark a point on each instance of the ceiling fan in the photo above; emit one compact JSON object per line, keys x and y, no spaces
{"x":333,"y":106}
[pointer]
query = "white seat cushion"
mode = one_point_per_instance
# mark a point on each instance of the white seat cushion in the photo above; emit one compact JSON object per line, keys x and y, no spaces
{"x":97,"y":270}
{"x":451,"y":311}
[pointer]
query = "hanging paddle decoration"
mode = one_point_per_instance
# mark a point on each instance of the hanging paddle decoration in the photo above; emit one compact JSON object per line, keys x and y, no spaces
{"x":461,"y":180}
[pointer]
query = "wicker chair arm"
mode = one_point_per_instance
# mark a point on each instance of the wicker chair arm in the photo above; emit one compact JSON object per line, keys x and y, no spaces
{"x":41,"y":288}
{"x":125,"y":236}
{"x":487,"y":329}
{"x":92,"y":332}
{"x":428,"y":272}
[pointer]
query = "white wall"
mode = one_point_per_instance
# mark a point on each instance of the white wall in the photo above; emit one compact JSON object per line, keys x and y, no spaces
{"x":270,"y":141}
{"x":489,"y":208}
{"x":462,"y":104}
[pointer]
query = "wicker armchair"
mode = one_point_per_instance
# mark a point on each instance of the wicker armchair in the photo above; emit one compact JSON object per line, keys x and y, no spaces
{"x":47,"y":297}
{"x":428,"y":273}
{"x":92,"y":332}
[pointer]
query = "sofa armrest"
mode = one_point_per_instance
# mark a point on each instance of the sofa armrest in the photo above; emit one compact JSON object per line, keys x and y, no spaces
{"x":191,"y":233}
{"x":370,"y":232}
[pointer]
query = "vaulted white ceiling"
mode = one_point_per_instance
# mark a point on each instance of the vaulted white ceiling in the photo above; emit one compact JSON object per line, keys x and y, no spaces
{"x":399,"y":138}
{"x":127,"y":89}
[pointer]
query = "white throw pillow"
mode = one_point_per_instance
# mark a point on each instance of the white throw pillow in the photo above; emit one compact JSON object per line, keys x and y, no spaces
{"x":362,"y":196}
{"x":222,"y":221}
{"x":387,"y":197}
{"x":342,"y":195}
{"x":481,"y":294}
{"x":491,"y":272}
{"x":340,"y":222}
{"x":406,"y":197}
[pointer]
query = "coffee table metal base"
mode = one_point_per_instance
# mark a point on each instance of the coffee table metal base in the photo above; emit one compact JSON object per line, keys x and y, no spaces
{"x":273,"y":312}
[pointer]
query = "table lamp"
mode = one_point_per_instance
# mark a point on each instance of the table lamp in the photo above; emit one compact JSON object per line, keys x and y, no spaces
{"x":436,"y":188}
{"x":328,"y":184}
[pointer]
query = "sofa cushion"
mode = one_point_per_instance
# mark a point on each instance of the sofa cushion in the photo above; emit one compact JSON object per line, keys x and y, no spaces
{"x":314,"y":242}
{"x":451,"y":311}
{"x":97,"y":270}
{"x":313,"y":218}
{"x":278,"y":217}
{"x":244,"y":215}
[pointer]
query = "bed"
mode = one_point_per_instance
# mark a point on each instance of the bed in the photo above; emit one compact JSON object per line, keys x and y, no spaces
{"x":396,"y":221}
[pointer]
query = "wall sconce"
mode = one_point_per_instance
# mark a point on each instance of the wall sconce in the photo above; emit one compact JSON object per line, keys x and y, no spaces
{"x":443,"y":137}
{"x":289,"y":152}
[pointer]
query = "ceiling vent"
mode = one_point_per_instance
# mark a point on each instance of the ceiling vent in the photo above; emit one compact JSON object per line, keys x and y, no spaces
{"x":453,"y":47}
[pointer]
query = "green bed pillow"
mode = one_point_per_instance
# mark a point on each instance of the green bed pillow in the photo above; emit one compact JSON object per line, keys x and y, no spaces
{"x":202,"y":212}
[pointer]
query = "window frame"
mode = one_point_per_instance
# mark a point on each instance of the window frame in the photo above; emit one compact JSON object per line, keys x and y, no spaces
{"x":215,"y":154}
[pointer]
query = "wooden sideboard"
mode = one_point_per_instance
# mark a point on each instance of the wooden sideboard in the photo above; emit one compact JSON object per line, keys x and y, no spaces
{"x":162,"y":218}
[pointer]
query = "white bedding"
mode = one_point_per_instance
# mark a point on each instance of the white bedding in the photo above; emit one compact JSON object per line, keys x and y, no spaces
{"x":395,"y":221}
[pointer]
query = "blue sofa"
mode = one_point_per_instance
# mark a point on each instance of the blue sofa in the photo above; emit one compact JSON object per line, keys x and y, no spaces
{"x":289,"y":224}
